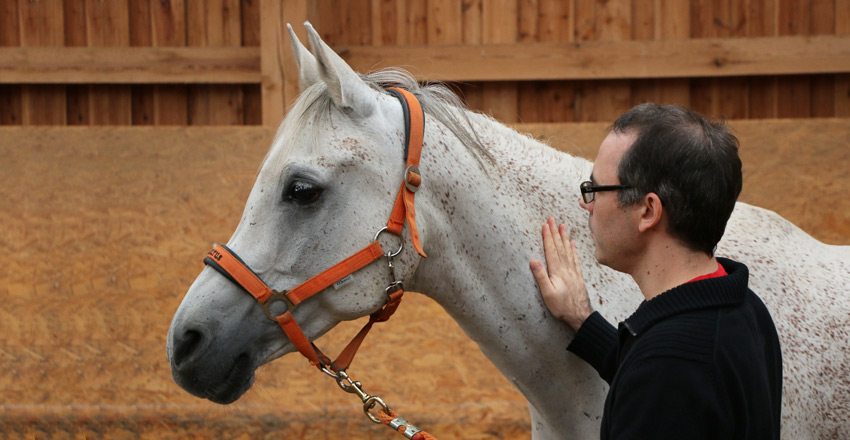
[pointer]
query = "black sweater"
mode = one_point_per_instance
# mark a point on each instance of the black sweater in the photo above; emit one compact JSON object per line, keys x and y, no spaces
{"x":700,"y":361}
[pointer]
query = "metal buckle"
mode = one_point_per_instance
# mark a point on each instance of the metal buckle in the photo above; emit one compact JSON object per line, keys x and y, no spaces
{"x":411,"y":187}
{"x":277,"y":296}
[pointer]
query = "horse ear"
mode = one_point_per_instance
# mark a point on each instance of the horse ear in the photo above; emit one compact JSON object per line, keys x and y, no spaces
{"x":308,"y":69}
{"x":347,"y":90}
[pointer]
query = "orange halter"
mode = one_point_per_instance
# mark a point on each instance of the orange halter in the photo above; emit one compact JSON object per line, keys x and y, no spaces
{"x":231,"y":266}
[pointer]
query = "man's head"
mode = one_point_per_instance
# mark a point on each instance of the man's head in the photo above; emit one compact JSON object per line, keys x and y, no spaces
{"x":692,"y":165}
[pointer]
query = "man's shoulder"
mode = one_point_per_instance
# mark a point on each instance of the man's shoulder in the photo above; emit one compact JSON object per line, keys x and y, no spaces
{"x":690,"y":335}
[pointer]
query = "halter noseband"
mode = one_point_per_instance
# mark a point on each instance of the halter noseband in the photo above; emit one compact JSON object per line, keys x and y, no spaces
{"x":233,"y":268}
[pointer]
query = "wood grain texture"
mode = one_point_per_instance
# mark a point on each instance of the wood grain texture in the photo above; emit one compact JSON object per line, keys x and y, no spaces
{"x":106,"y":229}
{"x":41,"y":24}
{"x":125,"y":65}
{"x":708,"y":57}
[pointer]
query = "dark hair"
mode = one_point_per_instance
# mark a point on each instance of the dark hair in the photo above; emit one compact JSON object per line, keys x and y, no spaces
{"x":690,"y":162}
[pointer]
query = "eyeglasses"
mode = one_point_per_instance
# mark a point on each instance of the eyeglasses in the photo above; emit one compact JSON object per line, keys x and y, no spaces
{"x":588,"y":189}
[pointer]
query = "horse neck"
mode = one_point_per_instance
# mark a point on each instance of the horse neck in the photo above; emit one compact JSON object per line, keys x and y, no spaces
{"x":481,"y":229}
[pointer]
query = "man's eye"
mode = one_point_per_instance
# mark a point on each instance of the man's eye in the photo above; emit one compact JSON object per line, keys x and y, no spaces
{"x":302,"y":192}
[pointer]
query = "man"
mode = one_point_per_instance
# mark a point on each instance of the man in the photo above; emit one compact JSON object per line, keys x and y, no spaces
{"x":700,"y":357}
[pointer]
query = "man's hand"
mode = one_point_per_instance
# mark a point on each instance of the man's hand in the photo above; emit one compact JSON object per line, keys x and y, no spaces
{"x":562,"y":287}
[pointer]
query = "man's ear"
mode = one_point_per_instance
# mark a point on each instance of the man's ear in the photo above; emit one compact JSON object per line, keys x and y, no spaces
{"x":651,"y":212}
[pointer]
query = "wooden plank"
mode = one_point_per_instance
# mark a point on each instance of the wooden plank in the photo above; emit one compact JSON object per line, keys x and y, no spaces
{"x":141,"y":35}
{"x":10,"y":104}
{"x":126,"y":65}
{"x":613,"y":23}
{"x":646,"y":17}
{"x":557,"y":20}
{"x":499,"y":25}
{"x":705,"y":96}
{"x":704,"y":57}
{"x":142,"y":97}
{"x":9,"y":30}
{"x":794,"y":93}
{"x":41,"y":24}
{"x":823,"y":86}
{"x":416,"y":22}
{"x":762,"y":94}
{"x":250,"y":22}
{"x":445,"y":22}
{"x":108,"y":25}
{"x":168,"y":20}
{"x":585,"y":20}
{"x":643,"y":24}
{"x":735,"y":91}
{"x":272,"y":61}
{"x":842,"y":82}
{"x":674,"y":24}
{"x":356,"y":16}
{"x":75,"y":23}
{"x":215,"y":23}
{"x":550,"y":101}
{"x":77,"y":104}
{"x":471,"y":11}
{"x":10,"y":95}
{"x":295,"y":12}
{"x":528,"y":21}
{"x":471,"y":18}
{"x":251,"y":96}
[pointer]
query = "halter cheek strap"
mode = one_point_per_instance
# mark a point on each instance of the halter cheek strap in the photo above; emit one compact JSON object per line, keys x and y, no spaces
{"x":415,"y":133}
{"x":226,"y":262}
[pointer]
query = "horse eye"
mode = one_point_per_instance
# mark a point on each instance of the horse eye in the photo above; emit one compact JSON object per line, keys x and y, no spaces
{"x":303,"y":192}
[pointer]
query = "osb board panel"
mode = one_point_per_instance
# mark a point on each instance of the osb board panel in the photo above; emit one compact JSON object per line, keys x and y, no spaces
{"x":105,"y":228}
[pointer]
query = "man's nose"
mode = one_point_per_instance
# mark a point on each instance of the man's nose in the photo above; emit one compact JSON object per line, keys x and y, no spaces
{"x":586,"y":206}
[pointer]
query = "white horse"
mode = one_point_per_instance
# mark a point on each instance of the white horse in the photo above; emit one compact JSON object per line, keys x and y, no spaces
{"x":329,"y":181}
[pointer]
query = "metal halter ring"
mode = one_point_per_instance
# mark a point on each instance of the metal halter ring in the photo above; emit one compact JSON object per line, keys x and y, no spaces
{"x":400,"y":246}
{"x":277,"y":297}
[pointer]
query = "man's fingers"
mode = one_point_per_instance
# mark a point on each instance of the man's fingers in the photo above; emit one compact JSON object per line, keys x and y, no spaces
{"x":553,"y":258}
{"x":569,"y":253}
{"x":556,"y":236}
{"x":541,"y":275}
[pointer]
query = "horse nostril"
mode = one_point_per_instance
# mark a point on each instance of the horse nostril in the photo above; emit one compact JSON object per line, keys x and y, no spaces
{"x":186,"y":346}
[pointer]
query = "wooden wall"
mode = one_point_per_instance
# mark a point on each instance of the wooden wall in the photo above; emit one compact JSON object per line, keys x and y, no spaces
{"x":129,"y":24}
{"x":813,"y":80}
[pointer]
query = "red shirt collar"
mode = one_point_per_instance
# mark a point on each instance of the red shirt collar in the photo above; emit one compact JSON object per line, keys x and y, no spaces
{"x":718,"y":273}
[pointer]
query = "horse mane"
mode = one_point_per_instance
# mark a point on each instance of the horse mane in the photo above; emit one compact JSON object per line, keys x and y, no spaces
{"x":437,"y":100}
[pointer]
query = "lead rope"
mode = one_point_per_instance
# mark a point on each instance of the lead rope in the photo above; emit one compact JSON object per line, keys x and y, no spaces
{"x":385,"y":415}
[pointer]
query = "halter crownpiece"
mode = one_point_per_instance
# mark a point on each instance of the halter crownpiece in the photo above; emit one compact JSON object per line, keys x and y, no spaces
{"x":226,"y":262}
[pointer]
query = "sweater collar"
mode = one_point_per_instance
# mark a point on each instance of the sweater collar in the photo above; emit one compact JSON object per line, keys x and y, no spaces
{"x":713,"y":292}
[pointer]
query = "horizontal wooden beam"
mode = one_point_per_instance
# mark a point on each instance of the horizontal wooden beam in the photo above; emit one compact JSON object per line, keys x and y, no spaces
{"x":610,"y":59}
{"x":491,"y":62}
{"x":129,"y":65}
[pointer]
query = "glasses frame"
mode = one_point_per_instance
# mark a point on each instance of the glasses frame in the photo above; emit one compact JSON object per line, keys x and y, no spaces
{"x":589,"y":190}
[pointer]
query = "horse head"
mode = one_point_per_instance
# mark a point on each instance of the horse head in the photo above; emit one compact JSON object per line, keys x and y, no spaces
{"x":324,"y":190}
